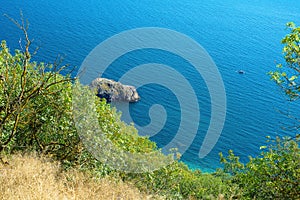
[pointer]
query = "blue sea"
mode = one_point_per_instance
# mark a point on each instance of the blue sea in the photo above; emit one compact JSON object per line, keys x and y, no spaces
{"x":238,"y":35}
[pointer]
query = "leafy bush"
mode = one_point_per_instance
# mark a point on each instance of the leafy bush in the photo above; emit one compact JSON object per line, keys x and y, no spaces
{"x":34,"y":106}
{"x":177,"y":181}
{"x":287,"y":75}
{"x":275,"y":174}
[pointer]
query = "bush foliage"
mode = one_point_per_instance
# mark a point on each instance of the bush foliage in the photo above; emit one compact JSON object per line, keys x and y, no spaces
{"x":274,"y":174}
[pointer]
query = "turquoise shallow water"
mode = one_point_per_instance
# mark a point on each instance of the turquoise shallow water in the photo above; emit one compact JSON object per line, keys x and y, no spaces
{"x":237,"y":34}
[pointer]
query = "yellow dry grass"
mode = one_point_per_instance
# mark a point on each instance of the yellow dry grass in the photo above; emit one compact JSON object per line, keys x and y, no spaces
{"x":30,"y":177}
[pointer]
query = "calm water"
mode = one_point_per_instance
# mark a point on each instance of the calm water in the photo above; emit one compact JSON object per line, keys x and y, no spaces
{"x":237,"y":34}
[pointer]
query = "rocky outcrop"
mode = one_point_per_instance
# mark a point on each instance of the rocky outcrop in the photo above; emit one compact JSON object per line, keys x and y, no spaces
{"x":114,"y":91}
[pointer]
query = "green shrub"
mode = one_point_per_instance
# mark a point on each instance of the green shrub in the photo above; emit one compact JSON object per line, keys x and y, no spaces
{"x":275,"y":174}
{"x":177,"y":181}
{"x":34,"y":106}
{"x":287,"y":75}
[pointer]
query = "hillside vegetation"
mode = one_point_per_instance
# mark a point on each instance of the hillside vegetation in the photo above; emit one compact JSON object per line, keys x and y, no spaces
{"x":36,"y":118}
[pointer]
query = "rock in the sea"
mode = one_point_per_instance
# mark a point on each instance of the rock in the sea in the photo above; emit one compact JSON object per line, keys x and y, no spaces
{"x":114,"y":91}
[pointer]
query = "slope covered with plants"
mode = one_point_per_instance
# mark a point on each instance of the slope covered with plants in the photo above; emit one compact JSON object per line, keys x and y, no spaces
{"x":36,"y":116}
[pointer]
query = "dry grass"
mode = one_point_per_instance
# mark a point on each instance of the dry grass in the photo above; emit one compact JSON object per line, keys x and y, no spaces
{"x":30,"y":177}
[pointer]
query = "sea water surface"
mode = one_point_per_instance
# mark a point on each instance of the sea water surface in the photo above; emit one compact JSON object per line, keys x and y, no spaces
{"x":238,"y":35}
